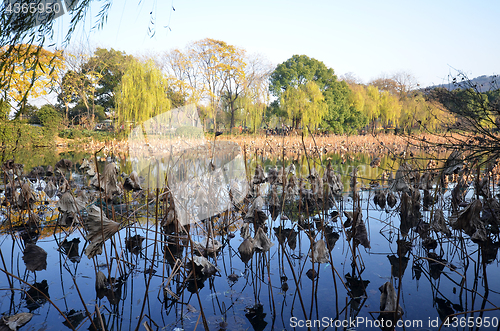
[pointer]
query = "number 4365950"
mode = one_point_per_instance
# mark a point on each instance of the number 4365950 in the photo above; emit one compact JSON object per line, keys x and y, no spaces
{"x":33,"y":8}
{"x":471,"y":322}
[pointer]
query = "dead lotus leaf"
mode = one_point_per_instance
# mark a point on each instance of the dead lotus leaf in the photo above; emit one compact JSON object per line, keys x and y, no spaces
{"x":35,"y":258}
{"x":319,"y":252}
{"x":246,"y":250}
{"x":426,"y":181}
{"x":259,"y":176}
{"x":256,"y":206}
{"x":245,"y":231}
{"x":134,"y":243}
{"x":453,"y":163}
{"x":274,"y":201}
{"x":398,"y":265}
{"x":380,"y":199}
{"x":255,"y":213}
{"x":100,"y":281}
{"x":90,"y":165}
{"x":469,"y":221}
{"x":388,"y":299}
{"x":391,"y":199}
{"x":403,"y":176}
{"x":361,"y":235}
{"x":291,"y":187}
{"x":202,"y":264}
{"x":50,"y":171}
{"x":16,"y":321}
{"x":108,"y":182}
{"x":438,"y":223}
{"x":316,"y":183}
{"x":132,"y":182}
{"x":209,"y":245}
{"x":99,"y":229}
{"x":273,"y":176}
{"x":491,"y":212}
{"x":261,"y":241}
{"x":36,"y":172}
{"x":70,"y":204}
{"x":27,"y":197}
{"x":64,"y":186}
{"x":350,"y":218}
{"x":50,"y":189}
{"x":64,"y":164}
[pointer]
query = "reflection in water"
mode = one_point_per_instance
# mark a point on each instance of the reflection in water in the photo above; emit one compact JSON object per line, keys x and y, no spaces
{"x":70,"y":249}
{"x":37,"y":295}
{"x":35,"y":258}
{"x":74,"y":318}
{"x":256,"y":316}
{"x":398,"y":265}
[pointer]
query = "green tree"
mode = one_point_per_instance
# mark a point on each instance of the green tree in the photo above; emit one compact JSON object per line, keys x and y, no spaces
{"x":372,"y":103}
{"x":349,"y":116}
{"x":111,"y":66}
{"x":182,"y":74}
{"x":79,"y":85}
{"x":4,"y":110}
{"x":49,"y":117}
{"x":468,"y":120}
{"x":298,"y":71}
{"x":142,"y":93}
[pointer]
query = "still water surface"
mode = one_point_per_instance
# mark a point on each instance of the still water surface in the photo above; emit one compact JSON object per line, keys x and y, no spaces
{"x":270,"y":291}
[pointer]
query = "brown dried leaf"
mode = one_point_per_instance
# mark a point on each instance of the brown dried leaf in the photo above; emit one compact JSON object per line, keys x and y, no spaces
{"x":261,"y":241}
{"x":18,"y":320}
{"x":99,"y":229}
{"x":319,"y":253}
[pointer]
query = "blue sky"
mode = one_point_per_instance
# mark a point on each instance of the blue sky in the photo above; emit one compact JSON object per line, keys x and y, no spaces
{"x":429,"y":39}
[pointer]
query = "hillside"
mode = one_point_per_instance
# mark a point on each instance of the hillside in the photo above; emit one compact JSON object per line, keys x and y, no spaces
{"x":482,"y":83}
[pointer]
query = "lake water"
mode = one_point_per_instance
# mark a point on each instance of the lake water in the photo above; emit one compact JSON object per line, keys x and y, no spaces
{"x":148,"y":280}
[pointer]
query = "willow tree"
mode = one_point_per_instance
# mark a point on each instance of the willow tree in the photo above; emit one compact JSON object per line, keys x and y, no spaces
{"x":390,"y":108}
{"x":372,"y":105}
{"x":305,"y":105}
{"x":256,"y":93}
{"x":142,"y":93}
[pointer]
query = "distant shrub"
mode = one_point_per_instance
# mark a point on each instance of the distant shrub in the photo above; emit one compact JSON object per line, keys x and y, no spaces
{"x":80,"y":133}
{"x":49,"y":117}
{"x":15,"y":133}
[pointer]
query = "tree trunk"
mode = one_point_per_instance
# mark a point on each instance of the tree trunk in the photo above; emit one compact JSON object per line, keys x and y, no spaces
{"x":233,"y":110}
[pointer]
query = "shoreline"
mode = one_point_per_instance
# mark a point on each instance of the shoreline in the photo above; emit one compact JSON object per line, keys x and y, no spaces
{"x":289,"y":146}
